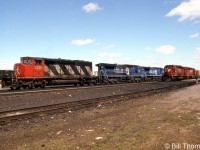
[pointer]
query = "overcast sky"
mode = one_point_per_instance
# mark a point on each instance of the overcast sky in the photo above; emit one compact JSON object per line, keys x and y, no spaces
{"x":139,"y":32}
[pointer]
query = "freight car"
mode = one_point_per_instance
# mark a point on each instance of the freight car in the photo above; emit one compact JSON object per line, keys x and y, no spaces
{"x":198,"y":73}
{"x":113,"y":73}
{"x":34,"y":72}
{"x":177,"y":72}
{"x":5,"y":77}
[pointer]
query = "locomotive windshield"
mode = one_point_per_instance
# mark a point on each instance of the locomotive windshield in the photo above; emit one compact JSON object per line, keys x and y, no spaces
{"x":26,"y":61}
{"x":169,"y":67}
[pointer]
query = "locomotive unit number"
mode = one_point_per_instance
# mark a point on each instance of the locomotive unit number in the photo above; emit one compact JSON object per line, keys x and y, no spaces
{"x":38,"y":67}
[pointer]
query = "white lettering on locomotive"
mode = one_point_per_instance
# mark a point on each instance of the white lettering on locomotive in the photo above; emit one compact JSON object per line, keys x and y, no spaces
{"x":38,"y":67}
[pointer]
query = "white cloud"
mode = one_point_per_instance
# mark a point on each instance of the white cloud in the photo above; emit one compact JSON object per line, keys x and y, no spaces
{"x":81,"y":42}
{"x":110,"y":46}
{"x":195,"y":35}
{"x":91,"y":7}
{"x":186,"y":10}
{"x":109,"y":54}
{"x":166,"y":49}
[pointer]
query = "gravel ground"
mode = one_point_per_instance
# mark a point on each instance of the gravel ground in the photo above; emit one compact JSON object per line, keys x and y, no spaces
{"x":155,"y":122}
{"x":47,"y":98}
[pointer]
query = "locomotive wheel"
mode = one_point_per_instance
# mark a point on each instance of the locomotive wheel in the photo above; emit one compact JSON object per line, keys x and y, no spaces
{"x":17,"y":88}
{"x":117,"y":81}
{"x":106,"y":81}
{"x":3,"y":84}
{"x":89,"y":83}
{"x":24,"y":86}
{"x":14,"y":88}
{"x":43,"y":85}
{"x":30,"y":86}
{"x":20,"y":84}
{"x":95,"y":82}
{"x":11,"y":88}
{"x":111,"y":82}
{"x":82,"y":83}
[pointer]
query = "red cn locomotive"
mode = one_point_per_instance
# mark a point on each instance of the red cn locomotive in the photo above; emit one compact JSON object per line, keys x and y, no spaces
{"x":177,"y":72}
{"x":37,"y":72}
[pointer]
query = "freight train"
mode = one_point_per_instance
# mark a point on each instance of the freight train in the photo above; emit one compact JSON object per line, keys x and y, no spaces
{"x":5,"y":77}
{"x":34,"y":72}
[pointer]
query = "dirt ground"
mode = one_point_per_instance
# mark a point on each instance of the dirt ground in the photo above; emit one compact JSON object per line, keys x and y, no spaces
{"x":162,"y":121}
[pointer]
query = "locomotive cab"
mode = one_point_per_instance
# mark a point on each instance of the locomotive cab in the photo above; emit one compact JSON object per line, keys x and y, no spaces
{"x":29,"y":67}
{"x":168,"y":70}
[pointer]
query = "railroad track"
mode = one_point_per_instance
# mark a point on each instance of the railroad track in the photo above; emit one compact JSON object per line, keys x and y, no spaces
{"x":63,"y":88}
{"x":6,"y":92}
{"x":14,"y":115}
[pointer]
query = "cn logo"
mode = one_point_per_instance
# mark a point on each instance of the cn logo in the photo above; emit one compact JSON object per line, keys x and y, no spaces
{"x":17,"y":70}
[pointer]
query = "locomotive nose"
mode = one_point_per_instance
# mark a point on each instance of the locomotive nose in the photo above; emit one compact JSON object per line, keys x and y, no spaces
{"x":18,"y":70}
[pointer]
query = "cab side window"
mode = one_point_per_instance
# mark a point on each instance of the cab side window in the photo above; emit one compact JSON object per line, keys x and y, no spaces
{"x":38,"y":62}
